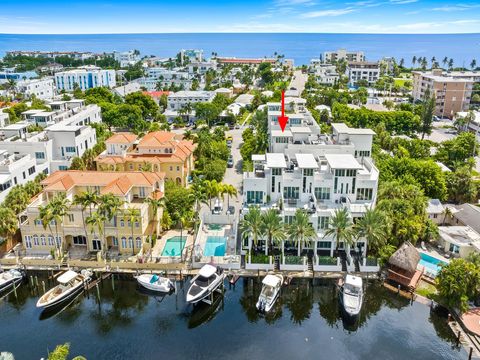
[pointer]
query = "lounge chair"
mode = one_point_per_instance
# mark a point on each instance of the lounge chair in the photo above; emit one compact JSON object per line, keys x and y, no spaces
{"x":422,"y":245}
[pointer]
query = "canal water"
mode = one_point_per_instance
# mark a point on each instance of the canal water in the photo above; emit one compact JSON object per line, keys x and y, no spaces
{"x":306,"y":323}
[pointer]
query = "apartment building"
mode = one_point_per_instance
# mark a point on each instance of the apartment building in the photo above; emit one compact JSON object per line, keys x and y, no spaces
{"x":191,"y":55}
{"x":132,"y":187}
{"x":201,"y":67}
{"x":158,"y":151}
{"x":165,"y":77}
{"x":368,"y":71}
{"x":126,"y":58}
{"x":41,"y":88}
{"x":178,"y":100}
{"x":324,"y":73}
{"x":66,"y":134}
{"x":343,"y":54}
{"x":317,"y":172}
{"x":452,"y":93}
{"x":85,"y":77}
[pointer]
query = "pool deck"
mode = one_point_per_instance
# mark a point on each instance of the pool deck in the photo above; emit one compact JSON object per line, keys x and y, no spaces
{"x":224,"y":231}
{"x":160,"y":244}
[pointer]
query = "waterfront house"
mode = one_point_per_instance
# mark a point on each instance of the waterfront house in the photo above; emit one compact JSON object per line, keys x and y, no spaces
{"x":320,"y":173}
{"x":156,"y":151}
{"x":132,"y":187}
{"x":458,"y":241}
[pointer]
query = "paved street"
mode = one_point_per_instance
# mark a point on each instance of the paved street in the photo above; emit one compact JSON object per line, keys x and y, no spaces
{"x":298,"y":81}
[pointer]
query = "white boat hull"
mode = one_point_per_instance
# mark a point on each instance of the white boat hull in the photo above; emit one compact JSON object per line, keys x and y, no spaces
{"x":193,"y":298}
{"x":269,"y":294}
{"x":162,"y":285}
{"x":50,"y":300}
{"x":10,"y":278}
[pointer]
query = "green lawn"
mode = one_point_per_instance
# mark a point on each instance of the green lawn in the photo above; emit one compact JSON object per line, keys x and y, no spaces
{"x":425,"y":289}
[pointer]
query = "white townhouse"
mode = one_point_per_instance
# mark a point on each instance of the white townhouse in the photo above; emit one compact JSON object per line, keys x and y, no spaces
{"x":43,"y":89}
{"x":178,"y":100}
{"x":65,"y":135}
{"x":165,"y":77}
{"x":319,"y":173}
{"x":86,"y":77}
{"x":324,"y":73}
{"x":362,"y":70}
{"x":126,"y":58}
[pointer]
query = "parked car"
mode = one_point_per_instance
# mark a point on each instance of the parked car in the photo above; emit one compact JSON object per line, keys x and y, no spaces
{"x":230,"y":161}
{"x":218,"y":207}
{"x":231,"y":210}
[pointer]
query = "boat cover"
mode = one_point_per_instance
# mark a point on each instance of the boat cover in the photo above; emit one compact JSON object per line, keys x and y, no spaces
{"x":271,"y":280}
{"x":354,"y":280}
{"x":67,"y":277}
{"x":207,"y":270}
{"x":153,"y":279}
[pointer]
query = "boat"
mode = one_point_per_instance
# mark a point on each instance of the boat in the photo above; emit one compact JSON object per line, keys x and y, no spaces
{"x":9,"y":278}
{"x":155,"y":283}
{"x":352,"y":294}
{"x":209,"y":278}
{"x":272,"y":283}
{"x":69,"y":284}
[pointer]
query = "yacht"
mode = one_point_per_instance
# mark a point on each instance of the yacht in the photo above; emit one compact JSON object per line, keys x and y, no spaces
{"x":209,"y":278}
{"x":272,"y":283}
{"x":9,"y":278}
{"x":155,"y":283}
{"x":352,"y":294}
{"x":69,"y":284}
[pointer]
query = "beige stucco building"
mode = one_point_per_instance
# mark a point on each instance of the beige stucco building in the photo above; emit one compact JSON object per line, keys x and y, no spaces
{"x":156,"y":151}
{"x":132,"y":187}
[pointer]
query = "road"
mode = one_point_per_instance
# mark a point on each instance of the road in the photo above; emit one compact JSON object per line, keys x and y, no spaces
{"x":298,"y":81}
{"x":234,"y":175}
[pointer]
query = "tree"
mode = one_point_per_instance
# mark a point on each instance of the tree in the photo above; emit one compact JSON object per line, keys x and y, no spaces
{"x":301,"y":230}
{"x":372,"y":227}
{"x":461,"y":186}
{"x":147,"y":105}
{"x":96,"y":221}
{"x":177,"y":200}
{"x":109,"y":206}
{"x":8,"y":223}
{"x":166,"y":222}
{"x":447,"y":212}
{"x":132,"y":216}
{"x":340,"y":228}
{"x":426,"y":114}
{"x":251,"y":224}
{"x":60,"y":353}
{"x":55,"y":212}
{"x":455,"y":152}
{"x":229,"y":190}
{"x":458,"y":283}
{"x":414,"y":60}
{"x":155,"y":205}
{"x":473,"y":64}
{"x":215,"y":169}
{"x":17,"y":199}
{"x":272,"y":228}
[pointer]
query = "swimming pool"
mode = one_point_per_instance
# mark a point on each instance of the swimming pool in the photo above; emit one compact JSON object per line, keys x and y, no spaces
{"x":432,"y":264}
{"x":174,"y":246}
{"x":215,"y":246}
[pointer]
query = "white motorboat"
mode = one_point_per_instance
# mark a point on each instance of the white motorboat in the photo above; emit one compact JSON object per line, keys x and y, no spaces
{"x":272,"y":283}
{"x":155,"y":283}
{"x":9,"y":278}
{"x":352,"y":294}
{"x":69,"y":284}
{"x":209,"y":278}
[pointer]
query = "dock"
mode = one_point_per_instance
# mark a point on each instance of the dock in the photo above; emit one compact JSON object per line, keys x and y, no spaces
{"x":469,"y":342}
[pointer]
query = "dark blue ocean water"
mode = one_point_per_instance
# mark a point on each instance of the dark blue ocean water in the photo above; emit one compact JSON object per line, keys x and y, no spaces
{"x":301,"y":47}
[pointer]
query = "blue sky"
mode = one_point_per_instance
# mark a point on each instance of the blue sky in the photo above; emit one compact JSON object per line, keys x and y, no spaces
{"x":159,"y":16}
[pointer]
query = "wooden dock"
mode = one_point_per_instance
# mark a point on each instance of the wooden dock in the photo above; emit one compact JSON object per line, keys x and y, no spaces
{"x":469,"y":342}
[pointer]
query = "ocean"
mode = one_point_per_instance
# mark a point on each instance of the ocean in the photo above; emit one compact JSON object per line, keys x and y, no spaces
{"x":298,"y":46}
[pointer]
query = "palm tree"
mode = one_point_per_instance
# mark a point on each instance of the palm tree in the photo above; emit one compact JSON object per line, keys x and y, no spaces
{"x":109,"y":205}
{"x":57,"y":209}
{"x":272,"y":227}
{"x":188,"y":109}
{"x":155,"y":204}
{"x":340,"y":228}
{"x":229,"y":190}
{"x":450,"y":64}
{"x":85,"y":200}
{"x":131,"y":215}
{"x":414,"y":60}
{"x":447,"y":211}
{"x":251,"y":225}
{"x":96,"y":221}
{"x":372,"y":227}
{"x":473,"y":64}
{"x":301,"y":229}
{"x":212,"y":189}
{"x":199,"y":194}
{"x":8,"y":223}
{"x":182,"y":221}
{"x":445,"y":61}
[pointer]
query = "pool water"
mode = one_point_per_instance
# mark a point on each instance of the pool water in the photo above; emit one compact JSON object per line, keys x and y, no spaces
{"x":215,"y":246}
{"x":174,"y":246}
{"x":431,"y":263}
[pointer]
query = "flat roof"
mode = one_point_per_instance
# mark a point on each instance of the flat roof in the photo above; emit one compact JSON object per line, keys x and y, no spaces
{"x":300,"y":130}
{"x":343,"y":128}
{"x":32,"y":111}
{"x":306,"y":161}
{"x":45,"y":113}
{"x":258,"y":157}
{"x":342,"y":161}
{"x":276,"y":160}
{"x":280,"y":133}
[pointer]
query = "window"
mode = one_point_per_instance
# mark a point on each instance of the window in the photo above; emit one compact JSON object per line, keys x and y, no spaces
{"x":324,"y":245}
{"x":39,"y":155}
{"x":31,"y":170}
{"x":364,"y":194}
{"x":38,"y":222}
{"x":130,"y":242}
{"x":322,"y":193}
{"x":70,"y":149}
{"x":122,"y":223}
{"x":138,"y":242}
{"x":43,"y":240}
{"x":59,"y":240}
{"x":50,"y":240}
{"x":114,"y":241}
{"x":276,"y":171}
{"x":124,"y":242}
{"x":62,"y":167}
{"x":281,"y":140}
{"x":291,"y":192}
{"x":137,"y":224}
{"x":35,"y":240}
{"x":178,"y":168}
{"x":254,"y":197}
{"x":28,"y":242}
{"x":288,"y":219}
{"x":454,"y":249}
{"x":307,"y":172}
{"x":322,"y":222}
{"x":70,"y":217}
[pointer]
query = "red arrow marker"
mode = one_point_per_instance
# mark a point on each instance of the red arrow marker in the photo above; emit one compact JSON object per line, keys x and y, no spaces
{"x":282,"y":120}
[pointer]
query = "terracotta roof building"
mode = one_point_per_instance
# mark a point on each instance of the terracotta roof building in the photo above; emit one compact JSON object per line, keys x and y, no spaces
{"x":133,"y":188}
{"x":157,"y":151}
